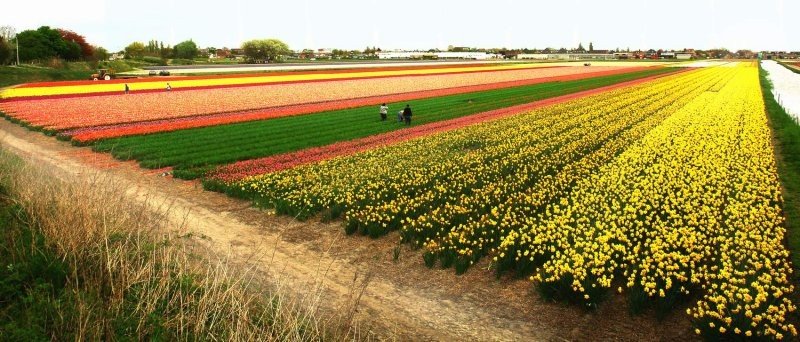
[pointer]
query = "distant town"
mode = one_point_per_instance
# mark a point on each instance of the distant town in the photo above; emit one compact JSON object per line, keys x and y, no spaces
{"x":471,"y":53}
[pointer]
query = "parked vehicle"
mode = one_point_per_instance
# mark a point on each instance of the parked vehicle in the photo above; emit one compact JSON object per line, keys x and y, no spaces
{"x":103,"y":74}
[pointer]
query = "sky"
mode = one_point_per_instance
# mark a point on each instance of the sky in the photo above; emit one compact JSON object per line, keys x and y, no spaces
{"x":423,"y":24}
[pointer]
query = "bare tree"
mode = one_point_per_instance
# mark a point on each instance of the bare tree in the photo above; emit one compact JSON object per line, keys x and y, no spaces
{"x":8,"y":33}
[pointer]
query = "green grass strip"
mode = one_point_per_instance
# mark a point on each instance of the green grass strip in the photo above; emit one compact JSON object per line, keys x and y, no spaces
{"x":786,"y":135}
{"x":210,"y":146}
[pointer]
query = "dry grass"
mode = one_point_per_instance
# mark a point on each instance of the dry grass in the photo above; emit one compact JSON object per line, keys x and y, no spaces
{"x":131,"y":279}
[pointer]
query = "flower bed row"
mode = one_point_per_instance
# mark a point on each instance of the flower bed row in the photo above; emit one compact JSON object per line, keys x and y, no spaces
{"x":88,"y":134}
{"x":253,"y":167}
{"x":241,"y":75}
{"x":665,"y":191}
{"x":183,"y":83}
{"x":70,"y":113}
{"x":695,"y":207}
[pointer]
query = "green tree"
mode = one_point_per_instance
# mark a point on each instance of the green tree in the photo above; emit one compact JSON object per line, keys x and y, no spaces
{"x":152,"y":48}
{"x":135,"y":50}
{"x":71,"y":51}
{"x":265,"y":50}
{"x":57,"y":46}
{"x":46,"y":42}
{"x":33,"y":45}
{"x":166,"y":52}
{"x":186,"y":50}
{"x":100,"y":53}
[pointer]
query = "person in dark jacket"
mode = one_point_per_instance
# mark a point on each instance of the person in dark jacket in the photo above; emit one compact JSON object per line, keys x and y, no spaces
{"x":407,"y":115}
{"x":127,"y":89}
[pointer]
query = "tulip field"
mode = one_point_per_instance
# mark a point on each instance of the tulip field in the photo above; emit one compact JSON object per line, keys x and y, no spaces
{"x":55,"y":89}
{"x":665,"y":191}
{"x":657,"y":184}
{"x":70,"y":114}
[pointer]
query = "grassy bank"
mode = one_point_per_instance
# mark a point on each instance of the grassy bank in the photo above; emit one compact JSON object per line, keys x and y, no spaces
{"x":786,"y":135}
{"x":60,"y":71}
{"x":193,"y":150}
{"x":80,"y":261}
{"x":11,"y":75}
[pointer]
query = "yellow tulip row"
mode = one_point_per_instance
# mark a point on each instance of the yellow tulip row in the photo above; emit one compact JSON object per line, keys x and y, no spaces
{"x":665,"y":190}
{"x":380,"y":188}
{"x":488,"y":214}
{"x":693,"y":206}
{"x":384,"y":185}
{"x":416,"y":180}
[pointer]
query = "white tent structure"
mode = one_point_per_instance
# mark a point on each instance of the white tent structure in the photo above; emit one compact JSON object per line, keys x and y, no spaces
{"x":785,"y":87}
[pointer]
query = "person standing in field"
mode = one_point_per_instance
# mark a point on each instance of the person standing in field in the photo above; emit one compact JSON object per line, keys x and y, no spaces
{"x":407,"y":115}
{"x":169,"y":87}
{"x":383,"y":111}
{"x":127,"y":90}
{"x":400,"y":116}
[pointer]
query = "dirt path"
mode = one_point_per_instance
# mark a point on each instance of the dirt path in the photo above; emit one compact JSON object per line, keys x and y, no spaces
{"x":404,"y":300}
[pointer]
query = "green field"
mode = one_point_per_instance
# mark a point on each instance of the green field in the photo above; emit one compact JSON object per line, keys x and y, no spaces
{"x":193,"y":151}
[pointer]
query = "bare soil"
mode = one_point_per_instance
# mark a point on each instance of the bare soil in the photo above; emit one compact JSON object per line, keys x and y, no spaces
{"x":403,"y":299}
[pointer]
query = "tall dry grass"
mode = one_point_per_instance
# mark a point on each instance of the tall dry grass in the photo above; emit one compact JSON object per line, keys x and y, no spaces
{"x":133,"y":279}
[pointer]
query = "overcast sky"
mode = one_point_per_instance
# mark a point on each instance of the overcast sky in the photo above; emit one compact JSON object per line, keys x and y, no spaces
{"x":423,"y":24}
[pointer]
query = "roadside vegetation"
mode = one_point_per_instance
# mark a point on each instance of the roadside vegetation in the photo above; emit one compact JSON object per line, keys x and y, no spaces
{"x":80,"y":261}
{"x":57,"y":70}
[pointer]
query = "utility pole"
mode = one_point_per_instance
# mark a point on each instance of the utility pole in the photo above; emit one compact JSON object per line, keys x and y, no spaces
{"x":17,"y":36}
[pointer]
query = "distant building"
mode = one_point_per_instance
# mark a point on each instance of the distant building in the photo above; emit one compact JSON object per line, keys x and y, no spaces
{"x":667,"y":54}
{"x":536,"y":56}
{"x":780,"y":54}
{"x":323,"y":53}
{"x":223,"y":53}
{"x":623,"y":55}
{"x":676,"y":55}
{"x":437,"y":55}
{"x":567,"y":56}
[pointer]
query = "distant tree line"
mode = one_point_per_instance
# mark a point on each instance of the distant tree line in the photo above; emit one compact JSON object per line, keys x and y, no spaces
{"x":46,"y":43}
{"x":157,"y":51}
{"x":256,"y":51}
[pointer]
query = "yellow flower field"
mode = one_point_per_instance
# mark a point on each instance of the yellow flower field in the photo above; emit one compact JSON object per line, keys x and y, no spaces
{"x":666,"y":192}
